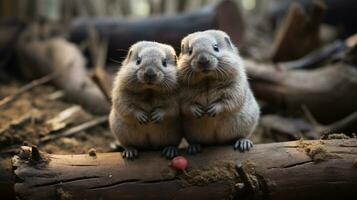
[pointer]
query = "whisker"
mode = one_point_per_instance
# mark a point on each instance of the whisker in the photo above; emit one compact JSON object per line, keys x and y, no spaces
{"x":114,"y":60}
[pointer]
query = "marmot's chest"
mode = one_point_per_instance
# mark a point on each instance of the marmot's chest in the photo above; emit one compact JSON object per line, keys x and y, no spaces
{"x":150,"y":99}
{"x":207,"y":94}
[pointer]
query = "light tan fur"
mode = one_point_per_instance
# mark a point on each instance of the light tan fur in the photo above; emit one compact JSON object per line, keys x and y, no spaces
{"x":222,"y":91}
{"x":132,"y":98}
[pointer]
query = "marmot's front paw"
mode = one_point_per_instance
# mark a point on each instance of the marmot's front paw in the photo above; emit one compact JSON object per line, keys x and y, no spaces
{"x":197,"y":110}
{"x":142,"y":117}
{"x":214,"y":109}
{"x":157,"y":115}
{"x":243,"y":145}
{"x":170,"y":152}
{"x":130,"y":153}
{"x":194,"y":149}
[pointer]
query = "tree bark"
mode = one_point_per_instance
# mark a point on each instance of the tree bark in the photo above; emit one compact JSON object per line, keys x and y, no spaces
{"x":317,"y":169}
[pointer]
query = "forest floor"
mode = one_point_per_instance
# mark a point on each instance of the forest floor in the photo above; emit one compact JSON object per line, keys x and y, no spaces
{"x":42,"y":111}
{"x":28,"y":119}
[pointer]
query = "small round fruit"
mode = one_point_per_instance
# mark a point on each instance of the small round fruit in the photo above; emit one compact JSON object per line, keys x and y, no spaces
{"x":179,"y":163}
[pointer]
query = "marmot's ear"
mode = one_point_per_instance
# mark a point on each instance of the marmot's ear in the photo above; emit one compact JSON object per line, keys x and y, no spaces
{"x":182,"y":48}
{"x":228,"y":41}
{"x":128,"y":57}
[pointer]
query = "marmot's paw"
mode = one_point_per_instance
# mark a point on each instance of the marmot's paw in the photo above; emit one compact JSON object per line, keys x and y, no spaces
{"x":157,"y":115}
{"x":169,"y":152}
{"x":142,"y":117}
{"x":214,"y":109}
{"x":243,"y":145}
{"x":194,"y":149}
{"x":130,"y":153}
{"x":197,"y":110}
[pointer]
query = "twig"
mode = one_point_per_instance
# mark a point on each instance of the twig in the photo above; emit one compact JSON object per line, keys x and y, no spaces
{"x":76,"y":129}
{"x":310,"y":118}
{"x":5,"y":101}
{"x":341,"y":126}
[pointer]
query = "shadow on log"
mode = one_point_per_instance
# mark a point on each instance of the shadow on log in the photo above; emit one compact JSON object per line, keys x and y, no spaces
{"x":317,"y":169}
{"x":121,"y":34}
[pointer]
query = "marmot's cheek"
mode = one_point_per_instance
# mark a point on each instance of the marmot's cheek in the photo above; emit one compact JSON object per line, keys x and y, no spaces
{"x":160,"y":77}
{"x":140,"y":75}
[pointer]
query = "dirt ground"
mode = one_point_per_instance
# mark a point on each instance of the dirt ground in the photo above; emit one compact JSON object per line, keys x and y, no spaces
{"x":27,"y":120}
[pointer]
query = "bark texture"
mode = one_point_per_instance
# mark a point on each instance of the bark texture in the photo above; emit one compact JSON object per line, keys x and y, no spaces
{"x":316,"y":169}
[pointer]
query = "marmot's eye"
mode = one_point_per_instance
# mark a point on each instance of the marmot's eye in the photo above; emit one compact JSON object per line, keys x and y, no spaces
{"x":190,"y":51}
{"x":138,"y":61}
{"x":164,"y":63}
{"x":215,"y":48}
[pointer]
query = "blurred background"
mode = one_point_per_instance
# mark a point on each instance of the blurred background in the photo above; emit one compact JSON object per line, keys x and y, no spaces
{"x":58,"y":59}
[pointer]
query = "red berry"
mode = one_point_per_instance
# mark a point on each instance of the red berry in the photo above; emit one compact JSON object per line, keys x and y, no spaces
{"x":179,"y":163}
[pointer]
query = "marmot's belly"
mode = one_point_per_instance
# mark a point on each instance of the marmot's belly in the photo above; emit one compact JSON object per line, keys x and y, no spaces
{"x":150,"y":136}
{"x":208,"y":130}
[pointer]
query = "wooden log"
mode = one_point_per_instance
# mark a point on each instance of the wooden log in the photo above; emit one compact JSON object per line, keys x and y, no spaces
{"x":122,"y":33}
{"x":67,"y":64}
{"x":7,"y":179}
{"x":295,"y":128}
{"x":315,"y":58}
{"x":317,"y":169}
{"x":298,"y":34}
{"x":328,"y":92}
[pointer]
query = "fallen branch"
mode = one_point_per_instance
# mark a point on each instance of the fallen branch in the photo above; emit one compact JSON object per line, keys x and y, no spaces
{"x":58,"y":56}
{"x":298,"y":34}
{"x":315,"y":58}
{"x":291,"y":128}
{"x":295,"y":128}
{"x":45,"y":79}
{"x":345,"y":125}
{"x":63,"y":119}
{"x":76,"y":129}
{"x":122,"y":33}
{"x":98,"y":50}
{"x":308,"y":169}
{"x":328,"y":92}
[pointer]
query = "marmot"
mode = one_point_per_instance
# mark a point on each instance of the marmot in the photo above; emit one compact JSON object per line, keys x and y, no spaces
{"x":145,"y":108}
{"x":217,"y":103}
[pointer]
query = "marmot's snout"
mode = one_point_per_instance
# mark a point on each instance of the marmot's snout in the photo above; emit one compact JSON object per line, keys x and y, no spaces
{"x":150,"y":75}
{"x":204,"y":62}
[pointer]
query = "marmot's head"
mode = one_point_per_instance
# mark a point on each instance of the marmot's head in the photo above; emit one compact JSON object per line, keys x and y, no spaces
{"x":149,"y":65}
{"x":208,"y":54}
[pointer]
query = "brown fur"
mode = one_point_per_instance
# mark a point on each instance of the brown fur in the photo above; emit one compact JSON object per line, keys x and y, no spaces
{"x":133,"y":98}
{"x":221,"y":94}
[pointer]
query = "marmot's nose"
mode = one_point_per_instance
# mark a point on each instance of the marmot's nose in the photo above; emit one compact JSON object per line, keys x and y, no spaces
{"x":150,"y":74}
{"x":203,"y":61}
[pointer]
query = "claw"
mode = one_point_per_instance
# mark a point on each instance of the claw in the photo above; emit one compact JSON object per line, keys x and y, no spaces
{"x":130,"y":153}
{"x":194,"y":149}
{"x":170,"y":152}
{"x":243,"y":145}
{"x":213,"y":110}
{"x":142,"y":118}
{"x":157,"y":116}
{"x":197,"y":110}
